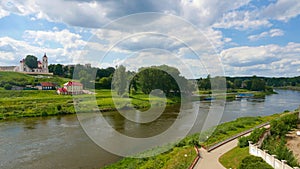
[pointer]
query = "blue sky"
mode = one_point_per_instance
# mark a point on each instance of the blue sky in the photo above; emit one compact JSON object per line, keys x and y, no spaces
{"x":237,"y":37}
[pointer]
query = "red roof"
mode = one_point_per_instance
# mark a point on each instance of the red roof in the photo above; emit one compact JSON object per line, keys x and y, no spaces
{"x":39,"y":62}
{"x":62,"y":90}
{"x":48,"y":84}
{"x":70,"y":83}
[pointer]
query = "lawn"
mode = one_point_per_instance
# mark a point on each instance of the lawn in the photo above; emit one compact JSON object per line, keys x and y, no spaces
{"x":234,"y":157}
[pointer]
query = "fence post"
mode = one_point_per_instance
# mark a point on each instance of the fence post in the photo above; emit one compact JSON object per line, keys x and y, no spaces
{"x":283,"y":164}
{"x":265,"y":155}
{"x":274,"y":159}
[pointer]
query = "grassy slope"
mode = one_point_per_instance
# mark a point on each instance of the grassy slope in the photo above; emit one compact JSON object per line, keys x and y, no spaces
{"x":234,"y":157}
{"x":229,"y":129}
{"x":173,"y":159}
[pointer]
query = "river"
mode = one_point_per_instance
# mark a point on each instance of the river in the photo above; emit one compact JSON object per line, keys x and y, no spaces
{"x":60,"y":142}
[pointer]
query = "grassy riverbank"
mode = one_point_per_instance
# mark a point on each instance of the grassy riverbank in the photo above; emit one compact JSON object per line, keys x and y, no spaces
{"x":232,"y":128}
{"x":221,"y":133}
{"x":34,"y":103}
{"x":274,"y":144}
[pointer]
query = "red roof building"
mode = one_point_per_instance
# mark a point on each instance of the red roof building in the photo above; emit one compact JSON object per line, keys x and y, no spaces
{"x":71,"y":88}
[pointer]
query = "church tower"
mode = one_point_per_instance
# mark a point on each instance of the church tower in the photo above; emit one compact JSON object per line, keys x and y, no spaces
{"x":45,"y":64}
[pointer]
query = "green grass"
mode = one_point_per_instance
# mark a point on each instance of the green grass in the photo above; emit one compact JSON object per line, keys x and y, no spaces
{"x":173,"y":159}
{"x":229,"y":129}
{"x":20,"y":79}
{"x":234,"y":157}
{"x":34,"y":103}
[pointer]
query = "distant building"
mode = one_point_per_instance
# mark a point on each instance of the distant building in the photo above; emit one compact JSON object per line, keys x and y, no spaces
{"x":71,"y":88}
{"x":23,"y":68}
{"x":9,"y":68}
{"x":42,"y":66}
{"x":46,"y":86}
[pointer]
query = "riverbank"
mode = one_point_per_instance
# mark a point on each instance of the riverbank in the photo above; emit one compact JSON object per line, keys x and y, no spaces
{"x":296,"y":88}
{"x":34,"y":103}
{"x":221,"y":133}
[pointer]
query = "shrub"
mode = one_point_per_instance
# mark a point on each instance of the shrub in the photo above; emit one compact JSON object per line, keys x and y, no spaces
{"x":254,"y":137}
{"x":251,"y":162}
{"x":7,"y":87}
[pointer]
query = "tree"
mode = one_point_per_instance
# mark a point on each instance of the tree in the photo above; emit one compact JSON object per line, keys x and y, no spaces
{"x":237,"y":83}
{"x":58,"y":70}
{"x":105,"y":82}
{"x":31,"y":61}
{"x":120,"y":80}
{"x":258,"y":84}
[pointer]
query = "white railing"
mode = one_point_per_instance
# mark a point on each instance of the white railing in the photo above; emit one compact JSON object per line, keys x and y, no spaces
{"x":270,"y":159}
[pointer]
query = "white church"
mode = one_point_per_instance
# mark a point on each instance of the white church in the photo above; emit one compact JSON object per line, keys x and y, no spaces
{"x":42,"y":66}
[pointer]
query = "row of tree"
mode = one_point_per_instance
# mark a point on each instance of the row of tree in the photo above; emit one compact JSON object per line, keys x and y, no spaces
{"x":147,"y":79}
{"x":251,"y":83}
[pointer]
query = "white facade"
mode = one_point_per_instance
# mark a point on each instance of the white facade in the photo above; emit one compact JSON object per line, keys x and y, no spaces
{"x":42,"y":66}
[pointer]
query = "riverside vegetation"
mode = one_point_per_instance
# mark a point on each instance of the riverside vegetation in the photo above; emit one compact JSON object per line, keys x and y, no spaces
{"x":239,"y":157}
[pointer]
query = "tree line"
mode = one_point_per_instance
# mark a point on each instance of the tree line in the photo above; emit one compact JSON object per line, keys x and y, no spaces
{"x":253,"y":83}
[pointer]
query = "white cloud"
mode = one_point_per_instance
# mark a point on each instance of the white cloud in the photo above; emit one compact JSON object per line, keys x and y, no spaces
{"x":271,"y":33}
{"x":16,"y":50}
{"x":65,"y":38}
{"x":282,"y":10}
{"x":241,"y":20}
{"x":268,"y":60}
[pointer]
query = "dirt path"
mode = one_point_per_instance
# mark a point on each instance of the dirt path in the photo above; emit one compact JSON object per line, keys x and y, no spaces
{"x":293,"y":143}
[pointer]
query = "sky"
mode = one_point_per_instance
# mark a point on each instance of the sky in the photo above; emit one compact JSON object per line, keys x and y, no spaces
{"x":199,"y":37}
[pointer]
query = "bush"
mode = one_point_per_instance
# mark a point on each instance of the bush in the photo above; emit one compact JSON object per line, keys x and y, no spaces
{"x":254,"y":137}
{"x":7,"y":87}
{"x":251,"y":162}
{"x":281,"y":126}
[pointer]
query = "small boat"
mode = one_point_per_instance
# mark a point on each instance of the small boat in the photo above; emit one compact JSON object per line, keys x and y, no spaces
{"x":209,"y":98}
{"x":244,"y":95}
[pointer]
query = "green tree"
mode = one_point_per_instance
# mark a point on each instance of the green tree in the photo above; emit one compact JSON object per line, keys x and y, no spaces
{"x":58,"y":70}
{"x":237,"y":83}
{"x":120,"y":80}
{"x":31,"y":61}
{"x":105,"y":82}
{"x":258,"y":84}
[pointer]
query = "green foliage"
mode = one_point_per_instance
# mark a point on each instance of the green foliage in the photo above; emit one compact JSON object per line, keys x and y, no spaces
{"x":58,"y":70}
{"x":276,"y":143}
{"x":258,"y":84}
{"x":254,"y":137}
{"x":251,"y":162}
{"x":229,"y":129}
{"x":31,"y":61}
{"x":172,"y":159}
{"x":105,"y":83}
{"x":7,"y":87}
{"x":192,"y":140}
{"x":120,"y":80}
{"x":282,"y":125}
{"x":162,"y":77}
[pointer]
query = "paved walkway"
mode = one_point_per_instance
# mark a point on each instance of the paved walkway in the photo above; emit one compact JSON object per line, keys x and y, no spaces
{"x":210,"y":160}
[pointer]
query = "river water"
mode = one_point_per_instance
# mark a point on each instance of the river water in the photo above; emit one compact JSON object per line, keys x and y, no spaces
{"x":60,"y":142}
